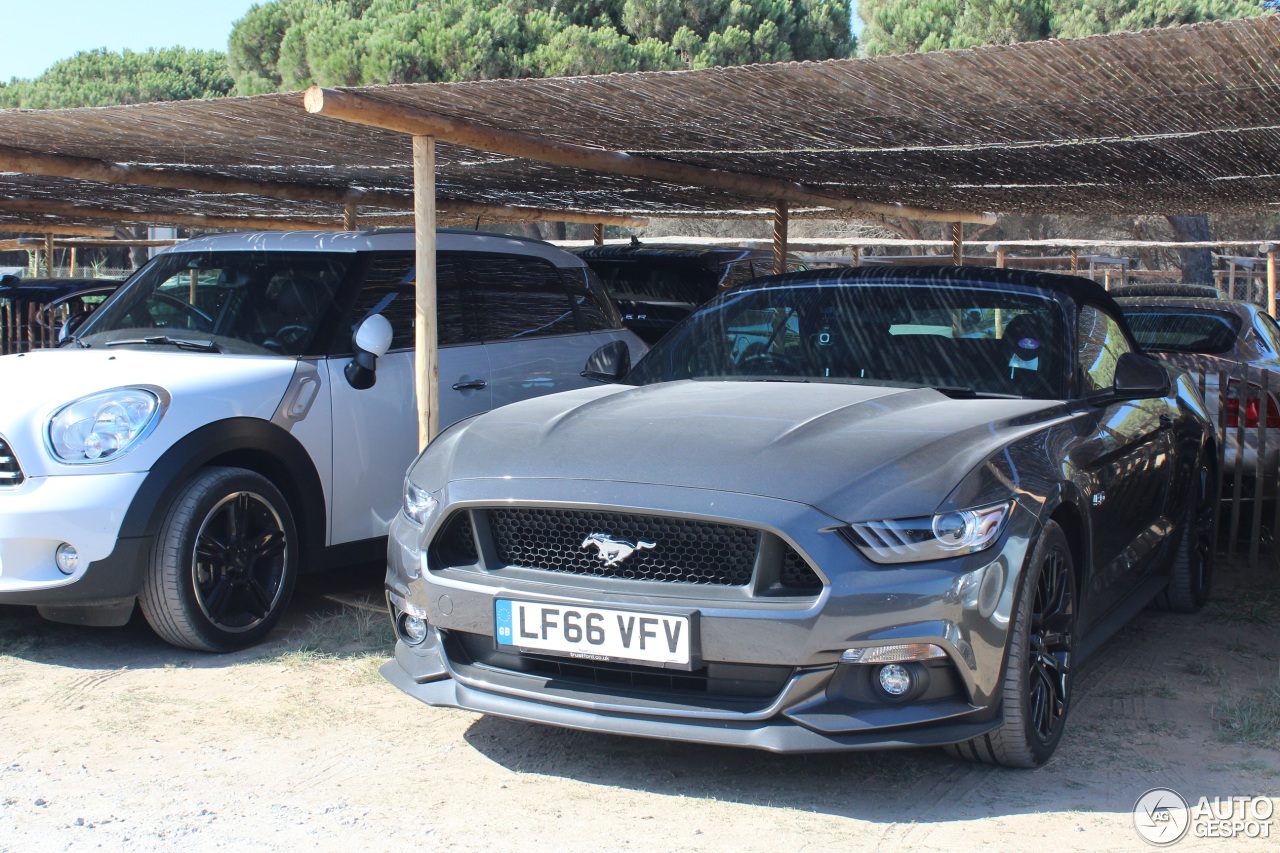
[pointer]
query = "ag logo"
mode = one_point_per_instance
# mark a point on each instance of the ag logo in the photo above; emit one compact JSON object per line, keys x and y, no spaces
{"x":613,"y":551}
{"x":1161,"y":816}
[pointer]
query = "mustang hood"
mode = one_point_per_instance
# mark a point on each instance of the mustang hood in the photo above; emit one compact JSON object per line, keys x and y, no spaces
{"x":855,"y":452}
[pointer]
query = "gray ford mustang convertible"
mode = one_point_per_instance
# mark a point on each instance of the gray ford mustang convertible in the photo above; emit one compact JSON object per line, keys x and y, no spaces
{"x":843,"y":509}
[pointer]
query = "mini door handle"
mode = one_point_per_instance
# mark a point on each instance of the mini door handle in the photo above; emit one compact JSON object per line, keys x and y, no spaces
{"x":473,"y":385}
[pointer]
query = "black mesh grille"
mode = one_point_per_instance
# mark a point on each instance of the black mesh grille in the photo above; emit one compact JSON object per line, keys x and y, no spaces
{"x":796,"y":573}
{"x":675,"y":550}
{"x":10,"y":472}
{"x":456,"y":544}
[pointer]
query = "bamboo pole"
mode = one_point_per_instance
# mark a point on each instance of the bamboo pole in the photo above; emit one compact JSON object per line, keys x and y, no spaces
{"x":780,"y":238}
{"x":426,"y":370}
{"x":360,"y":109}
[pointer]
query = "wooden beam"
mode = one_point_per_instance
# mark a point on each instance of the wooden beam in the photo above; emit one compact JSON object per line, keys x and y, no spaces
{"x":85,"y":169}
{"x":58,"y":230}
{"x":780,"y":239}
{"x":69,"y":210}
{"x":371,"y":112}
{"x":426,"y":369}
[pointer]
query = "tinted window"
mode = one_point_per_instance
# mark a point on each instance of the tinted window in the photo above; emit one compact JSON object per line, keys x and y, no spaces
{"x":389,"y":290}
{"x":876,"y":333}
{"x":519,"y":297}
{"x":244,"y":302}
{"x":1183,"y":329}
{"x":1101,"y":343}
{"x":596,"y":311}
{"x":1269,"y":331}
{"x":657,"y":280}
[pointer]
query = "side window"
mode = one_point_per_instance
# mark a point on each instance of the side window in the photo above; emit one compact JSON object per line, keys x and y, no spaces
{"x":1101,"y":343}
{"x":1269,"y":332}
{"x":389,"y":289}
{"x":596,"y":312}
{"x":519,"y":297}
{"x":740,"y":272}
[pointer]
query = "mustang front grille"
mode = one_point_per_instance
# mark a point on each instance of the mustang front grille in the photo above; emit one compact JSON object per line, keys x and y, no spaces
{"x":627,"y":545}
{"x":10,"y":470}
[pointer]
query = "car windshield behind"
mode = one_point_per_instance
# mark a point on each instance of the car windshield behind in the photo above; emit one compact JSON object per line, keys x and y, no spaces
{"x":968,"y":338}
{"x":1183,"y":329}
{"x":238,"y":302}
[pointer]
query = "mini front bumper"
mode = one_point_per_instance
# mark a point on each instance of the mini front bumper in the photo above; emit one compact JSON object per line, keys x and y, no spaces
{"x":960,"y":605}
{"x":85,"y":511}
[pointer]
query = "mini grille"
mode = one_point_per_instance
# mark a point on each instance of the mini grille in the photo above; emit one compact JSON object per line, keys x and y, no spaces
{"x":456,"y":543}
{"x":796,"y":574}
{"x":10,"y":471}
{"x":684,"y":551}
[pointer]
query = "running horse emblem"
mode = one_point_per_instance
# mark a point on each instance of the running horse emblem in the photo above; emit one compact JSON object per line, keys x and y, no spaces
{"x":614,"y":551}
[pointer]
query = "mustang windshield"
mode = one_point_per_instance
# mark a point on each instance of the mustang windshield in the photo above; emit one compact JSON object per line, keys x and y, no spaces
{"x":967,"y":338}
{"x":237,"y":302}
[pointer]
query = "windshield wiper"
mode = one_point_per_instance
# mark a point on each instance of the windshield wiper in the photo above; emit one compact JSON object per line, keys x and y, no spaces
{"x":165,"y":340}
{"x":959,"y":392}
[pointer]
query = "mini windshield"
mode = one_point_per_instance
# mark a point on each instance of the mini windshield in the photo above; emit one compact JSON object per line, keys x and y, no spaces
{"x":967,"y":338}
{"x":237,"y":302}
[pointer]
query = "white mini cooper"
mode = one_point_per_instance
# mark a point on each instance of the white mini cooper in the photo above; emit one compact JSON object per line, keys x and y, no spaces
{"x":195,"y":443}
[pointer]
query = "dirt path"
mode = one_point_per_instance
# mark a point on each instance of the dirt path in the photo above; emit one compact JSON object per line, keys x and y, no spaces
{"x":113,"y":740}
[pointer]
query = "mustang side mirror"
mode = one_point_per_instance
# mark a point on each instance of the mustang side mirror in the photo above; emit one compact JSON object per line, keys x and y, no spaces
{"x":609,"y":363}
{"x":1139,"y":375}
{"x":371,"y":339}
{"x":7,"y":280}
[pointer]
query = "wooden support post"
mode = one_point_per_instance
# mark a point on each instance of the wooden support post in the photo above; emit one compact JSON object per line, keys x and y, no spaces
{"x":957,"y":244}
{"x":1271,"y":279}
{"x":1231,"y":280}
{"x":1075,"y":262}
{"x":71,"y":264}
{"x":597,"y":233}
{"x":48,"y":255}
{"x":1000,"y":258}
{"x":780,"y":238}
{"x":426,"y":370}
{"x":349,"y":216}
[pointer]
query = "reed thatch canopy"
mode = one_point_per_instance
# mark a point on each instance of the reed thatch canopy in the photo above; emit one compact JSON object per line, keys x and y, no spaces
{"x":1181,"y":120}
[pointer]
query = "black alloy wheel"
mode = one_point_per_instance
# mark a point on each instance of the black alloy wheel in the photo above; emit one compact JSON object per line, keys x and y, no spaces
{"x":1049,"y":676}
{"x":238,"y":563}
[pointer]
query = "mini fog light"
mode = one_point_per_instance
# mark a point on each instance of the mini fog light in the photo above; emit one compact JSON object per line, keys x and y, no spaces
{"x":68,"y":559}
{"x":412,"y":628}
{"x":895,"y":680}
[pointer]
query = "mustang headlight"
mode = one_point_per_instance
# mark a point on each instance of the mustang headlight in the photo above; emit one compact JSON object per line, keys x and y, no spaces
{"x":102,"y":427}
{"x":947,"y":534}
{"x":419,"y":504}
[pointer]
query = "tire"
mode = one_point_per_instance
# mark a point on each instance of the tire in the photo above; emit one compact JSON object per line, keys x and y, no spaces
{"x":223,"y":567}
{"x":1191,"y":579}
{"x":1038,"y":672}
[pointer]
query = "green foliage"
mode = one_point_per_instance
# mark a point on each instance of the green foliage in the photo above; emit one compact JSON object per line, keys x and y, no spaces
{"x":290,"y":44}
{"x":907,"y":26}
{"x":94,"y":78}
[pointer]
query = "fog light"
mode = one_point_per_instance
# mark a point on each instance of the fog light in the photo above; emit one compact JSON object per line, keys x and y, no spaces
{"x":67,"y":558}
{"x":895,"y":680}
{"x":412,"y":628}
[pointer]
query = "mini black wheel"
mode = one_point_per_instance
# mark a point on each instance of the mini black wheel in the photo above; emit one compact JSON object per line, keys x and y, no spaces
{"x":1036,"y":692}
{"x":223,"y":566}
{"x":1191,"y":579}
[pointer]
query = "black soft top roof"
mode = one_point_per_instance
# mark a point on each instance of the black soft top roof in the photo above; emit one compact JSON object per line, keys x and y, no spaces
{"x":708,"y":255}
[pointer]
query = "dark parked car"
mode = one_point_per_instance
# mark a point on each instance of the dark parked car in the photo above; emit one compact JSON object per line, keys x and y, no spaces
{"x":656,"y":285}
{"x":868,"y":532}
{"x":1209,"y":337}
{"x":32,"y":311}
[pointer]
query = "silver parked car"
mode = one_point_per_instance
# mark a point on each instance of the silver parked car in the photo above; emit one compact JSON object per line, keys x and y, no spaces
{"x":1210,"y":337}
{"x":875,"y":526}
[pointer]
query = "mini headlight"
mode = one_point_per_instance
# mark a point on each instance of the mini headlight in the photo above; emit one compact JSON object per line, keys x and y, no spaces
{"x":947,"y":534}
{"x":419,"y":504}
{"x":102,"y":427}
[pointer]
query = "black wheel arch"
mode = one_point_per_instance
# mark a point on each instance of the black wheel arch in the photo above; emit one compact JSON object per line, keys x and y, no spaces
{"x":250,"y":443}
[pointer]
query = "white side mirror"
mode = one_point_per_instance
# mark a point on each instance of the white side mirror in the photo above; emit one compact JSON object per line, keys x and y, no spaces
{"x":372,"y":339}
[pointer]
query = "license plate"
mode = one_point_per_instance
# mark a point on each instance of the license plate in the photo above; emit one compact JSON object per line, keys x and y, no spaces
{"x":593,"y":633}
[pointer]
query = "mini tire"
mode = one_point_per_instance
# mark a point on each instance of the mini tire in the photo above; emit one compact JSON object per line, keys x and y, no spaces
{"x":223,"y":567}
{"x":1038,"y":673}
{"x":1191,"y":578}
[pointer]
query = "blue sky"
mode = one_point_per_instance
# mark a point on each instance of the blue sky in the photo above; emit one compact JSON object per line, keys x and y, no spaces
{"x":40,"y":32}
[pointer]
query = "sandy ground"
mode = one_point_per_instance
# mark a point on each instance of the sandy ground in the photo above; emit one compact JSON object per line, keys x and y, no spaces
{"x":112,"y":740}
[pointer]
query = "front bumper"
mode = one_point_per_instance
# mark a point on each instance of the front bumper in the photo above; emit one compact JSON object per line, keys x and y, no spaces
{"x":84,"y":510}
{"x":960,"y":605}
